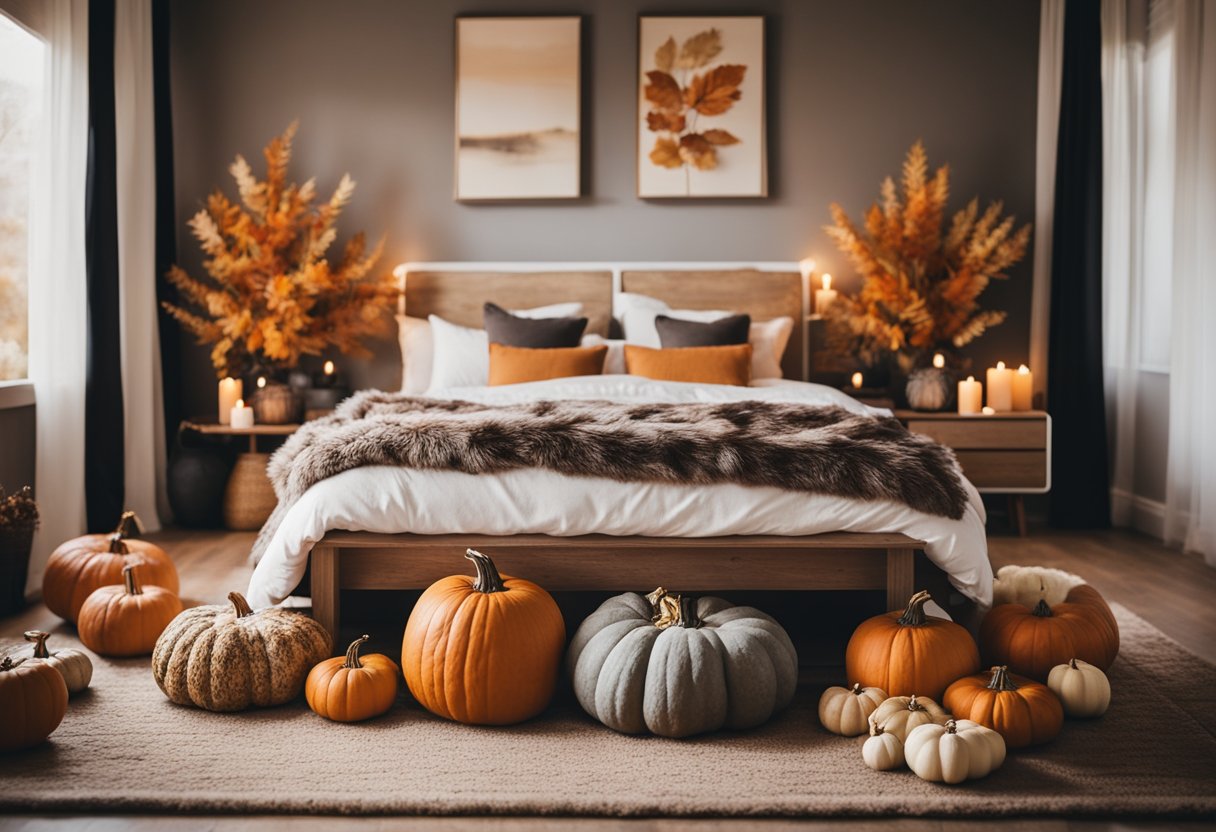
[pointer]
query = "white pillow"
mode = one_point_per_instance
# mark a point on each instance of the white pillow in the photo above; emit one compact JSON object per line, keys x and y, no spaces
{"x":614,"y":360}
{"x":436,"y":354}
{"x":768,"y":338}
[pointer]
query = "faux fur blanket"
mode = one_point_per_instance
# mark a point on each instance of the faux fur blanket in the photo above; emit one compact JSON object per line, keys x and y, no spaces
{"x":822,"y":450}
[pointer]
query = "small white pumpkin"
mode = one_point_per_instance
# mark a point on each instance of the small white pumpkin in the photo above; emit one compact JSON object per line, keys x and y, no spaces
{"x":882,"y":751}
{"x":74,"y":666}
{"x":846,"y":711}
{"x":951,"y":753}
{"x":899,"y":715}
{"x":1083,"y":689}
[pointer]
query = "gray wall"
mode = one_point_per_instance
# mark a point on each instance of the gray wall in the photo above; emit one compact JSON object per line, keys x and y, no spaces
{"x":17,"y":436}
{"x":851,"y":86}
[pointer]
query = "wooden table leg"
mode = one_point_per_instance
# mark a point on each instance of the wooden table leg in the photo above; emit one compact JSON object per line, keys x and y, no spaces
{"x":326,"y":589}
{"x":901,"y":577}
{"x":1017,"y":513}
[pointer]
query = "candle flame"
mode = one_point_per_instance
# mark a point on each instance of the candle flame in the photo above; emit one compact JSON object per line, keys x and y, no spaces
{"x":857,"y":379}
{"x":240,"y":403}
{"x":261,"y":381}
{"x":1000,"y":365}
{"x":1023,"y":370}
{"x":971,"y":379}
{"x":329,"y":368}
{"x":988,"y":411}
{"x":939,"y":360}
{"x":827,"y":282}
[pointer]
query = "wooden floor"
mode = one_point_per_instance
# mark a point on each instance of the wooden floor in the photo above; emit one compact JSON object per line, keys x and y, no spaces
{"x":1175,"y":592}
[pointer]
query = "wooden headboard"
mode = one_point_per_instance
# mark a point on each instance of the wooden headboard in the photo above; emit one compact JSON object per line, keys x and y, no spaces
{"x":458,"y":296}
{"x":762,"y":294}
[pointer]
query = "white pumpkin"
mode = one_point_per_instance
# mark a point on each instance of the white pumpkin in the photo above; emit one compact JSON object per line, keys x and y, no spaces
{"x":846,"y":711}
{"x":678,"y":666}
{"x":951,"y":753}
{"x":1083,"y":689}
{"x":882,"y":750}
{"x":900,"y":714}
{"x":1027,"y":585}
{"x":74,"y":666}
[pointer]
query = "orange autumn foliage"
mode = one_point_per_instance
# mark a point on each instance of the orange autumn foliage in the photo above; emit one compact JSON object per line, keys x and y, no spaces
{"x":921,"y":281}
{"x":272,"y":295}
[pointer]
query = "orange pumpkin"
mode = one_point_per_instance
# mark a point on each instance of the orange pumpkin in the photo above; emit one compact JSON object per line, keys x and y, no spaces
{"x":1019,"y":709}
{"x":87,"y":563}
{"x":351,"y":688}
{"x":33,"y":699}
{"x":483,"y":650}
{"x":909,"y":652}
{"x":1032,"y":641}
{"x":126,"y":620}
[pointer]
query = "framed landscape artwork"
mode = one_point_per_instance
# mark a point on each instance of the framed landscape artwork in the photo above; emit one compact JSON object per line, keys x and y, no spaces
{"x":517,"y":108}
{"x":701,"y":107}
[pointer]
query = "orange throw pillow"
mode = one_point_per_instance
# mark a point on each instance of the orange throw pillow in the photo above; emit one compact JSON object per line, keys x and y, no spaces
{"x":707,"y":365}
{"x":515,"y":365}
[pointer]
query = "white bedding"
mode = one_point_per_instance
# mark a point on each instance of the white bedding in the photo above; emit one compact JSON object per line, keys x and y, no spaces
{"x":391,"y":499}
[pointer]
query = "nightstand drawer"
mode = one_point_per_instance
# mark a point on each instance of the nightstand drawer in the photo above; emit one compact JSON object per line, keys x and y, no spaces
{"x":984,"y":432}
{"x":1004,"y":469}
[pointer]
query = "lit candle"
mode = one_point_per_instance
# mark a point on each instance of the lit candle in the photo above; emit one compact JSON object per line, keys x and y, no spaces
{"x":401,"y":272}
{"x":988,"y":411}
{"x":1000,"y":388}
{"x":241,"y":416}
{"x":328,"y":369}
{"x":261,"y":382}
{"x":857,"y":379}
{"x":970,"y":396}
{"x":824,"y":297}
{"x":1023,"y":388}
{"x":939,"y":360}
{"x":229,"y":391}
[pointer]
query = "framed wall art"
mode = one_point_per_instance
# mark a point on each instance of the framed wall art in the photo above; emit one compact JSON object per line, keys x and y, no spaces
{"x":517,"y":108}
{"x":701,"y":107}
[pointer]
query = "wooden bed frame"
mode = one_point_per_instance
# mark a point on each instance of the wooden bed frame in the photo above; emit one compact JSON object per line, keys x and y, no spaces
{"x":456,"y":292}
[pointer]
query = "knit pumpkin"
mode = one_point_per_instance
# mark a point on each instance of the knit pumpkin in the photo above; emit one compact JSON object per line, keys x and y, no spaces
{"x":1021,"y":710}
{"x":74,"y":666}
{"x":351,"y":688}
{"x":677,"y":666}
{"x":33,"y":700}
{"x":483,"y":650}
{"x":126,"y":620}
{"x":909,"y":652}
{"x":226,"y":657}
{"x":85,"y":564}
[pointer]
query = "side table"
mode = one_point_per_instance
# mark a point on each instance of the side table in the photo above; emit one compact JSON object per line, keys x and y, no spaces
{"x":248,"y":497}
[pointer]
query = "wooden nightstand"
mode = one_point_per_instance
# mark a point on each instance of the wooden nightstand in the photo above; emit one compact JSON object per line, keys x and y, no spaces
{"x":1006,"y":453}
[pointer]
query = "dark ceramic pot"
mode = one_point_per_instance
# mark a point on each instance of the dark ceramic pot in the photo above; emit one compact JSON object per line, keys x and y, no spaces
{"x":196,"y":480}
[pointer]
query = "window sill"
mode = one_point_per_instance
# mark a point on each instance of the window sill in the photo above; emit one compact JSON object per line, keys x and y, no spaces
{"x":18,"y":393}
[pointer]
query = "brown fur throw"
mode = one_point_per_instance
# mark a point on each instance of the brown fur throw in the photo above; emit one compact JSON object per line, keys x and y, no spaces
{"x":822,"y":450}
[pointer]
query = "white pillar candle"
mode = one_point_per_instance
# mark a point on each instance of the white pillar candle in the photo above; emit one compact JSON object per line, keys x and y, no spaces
{"x":1000,"y":388}
{"x":970,"y":396}
{"x":824,"y":297}
{"x":241,"y":416}
{"x":857,"y":380}
{"x":1023,"y":388}
{"x":230,"y":390}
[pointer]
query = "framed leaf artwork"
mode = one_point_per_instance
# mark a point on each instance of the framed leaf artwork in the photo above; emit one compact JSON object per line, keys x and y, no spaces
{"x":517,"y":108}
{"x":701,"y":107}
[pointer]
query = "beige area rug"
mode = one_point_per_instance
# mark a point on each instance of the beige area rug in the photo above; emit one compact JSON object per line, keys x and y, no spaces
{"x":124,"y":747}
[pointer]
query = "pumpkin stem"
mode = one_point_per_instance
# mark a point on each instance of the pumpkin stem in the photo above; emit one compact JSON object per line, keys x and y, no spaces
{"x":951,"y":726}
{"x":913,"y":705}
{"x":352,"y":653}
{"x":689,"y":619}
{"x":39,"y":638}
{"x":128,"y":578}
{"x":488,"y":579}
{"x":914,"y":615}
{"x":875,"y":728}
{"x":8,"y":664}
{"x":1000,"y":679}
{"x":1041,"y":609}
{"x":1071,"y":663}
{"x":856,"y":691}
{"x":240,"y":605}
{"x":128,"y":525}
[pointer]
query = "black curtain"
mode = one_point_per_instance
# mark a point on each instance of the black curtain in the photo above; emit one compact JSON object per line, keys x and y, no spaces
{"x":1080,"y":489}
{"x":103,"y":416}
{"x":166,"y":219}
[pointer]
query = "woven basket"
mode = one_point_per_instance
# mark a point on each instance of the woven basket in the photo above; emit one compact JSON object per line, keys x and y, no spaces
{"x":14,"y":568}
{"x":248,"y":498}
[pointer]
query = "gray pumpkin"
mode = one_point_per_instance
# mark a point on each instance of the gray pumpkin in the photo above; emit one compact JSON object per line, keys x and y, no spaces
{"x":929,"y":389}
{"x":678,"y":666}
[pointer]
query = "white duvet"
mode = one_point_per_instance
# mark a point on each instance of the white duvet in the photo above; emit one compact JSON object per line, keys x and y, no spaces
{"x":534,"y":501}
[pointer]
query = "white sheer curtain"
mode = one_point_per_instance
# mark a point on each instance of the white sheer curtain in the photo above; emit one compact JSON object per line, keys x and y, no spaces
{"x":1190,"y":498}
{"x":135,"y":139}
{"x":57,"y":268}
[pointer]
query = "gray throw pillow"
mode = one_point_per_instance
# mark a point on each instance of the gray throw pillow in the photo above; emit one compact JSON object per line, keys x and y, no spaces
{"x":538,"y":333}
{"x":675,"y":332}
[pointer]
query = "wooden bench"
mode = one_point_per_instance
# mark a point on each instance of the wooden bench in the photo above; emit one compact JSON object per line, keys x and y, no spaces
{"x":841,"y":560}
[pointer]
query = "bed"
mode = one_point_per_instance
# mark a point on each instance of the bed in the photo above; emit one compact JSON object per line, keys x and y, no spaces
{"x":389,"y":527}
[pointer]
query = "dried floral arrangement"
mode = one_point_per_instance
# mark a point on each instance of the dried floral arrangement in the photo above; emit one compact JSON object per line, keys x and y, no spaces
{"x":677,"y":105}
{"x":272,"y":295}
{"x":18,"y":511}
{"x":921,"y":282}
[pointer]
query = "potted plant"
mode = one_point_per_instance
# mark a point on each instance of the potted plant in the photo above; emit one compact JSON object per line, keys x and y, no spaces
{"x":18,"y":521}
{"x":921,"y":281}
{"x":272,"y":295}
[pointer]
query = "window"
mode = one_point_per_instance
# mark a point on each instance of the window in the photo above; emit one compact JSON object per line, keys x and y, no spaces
{"x":21,"y":63}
